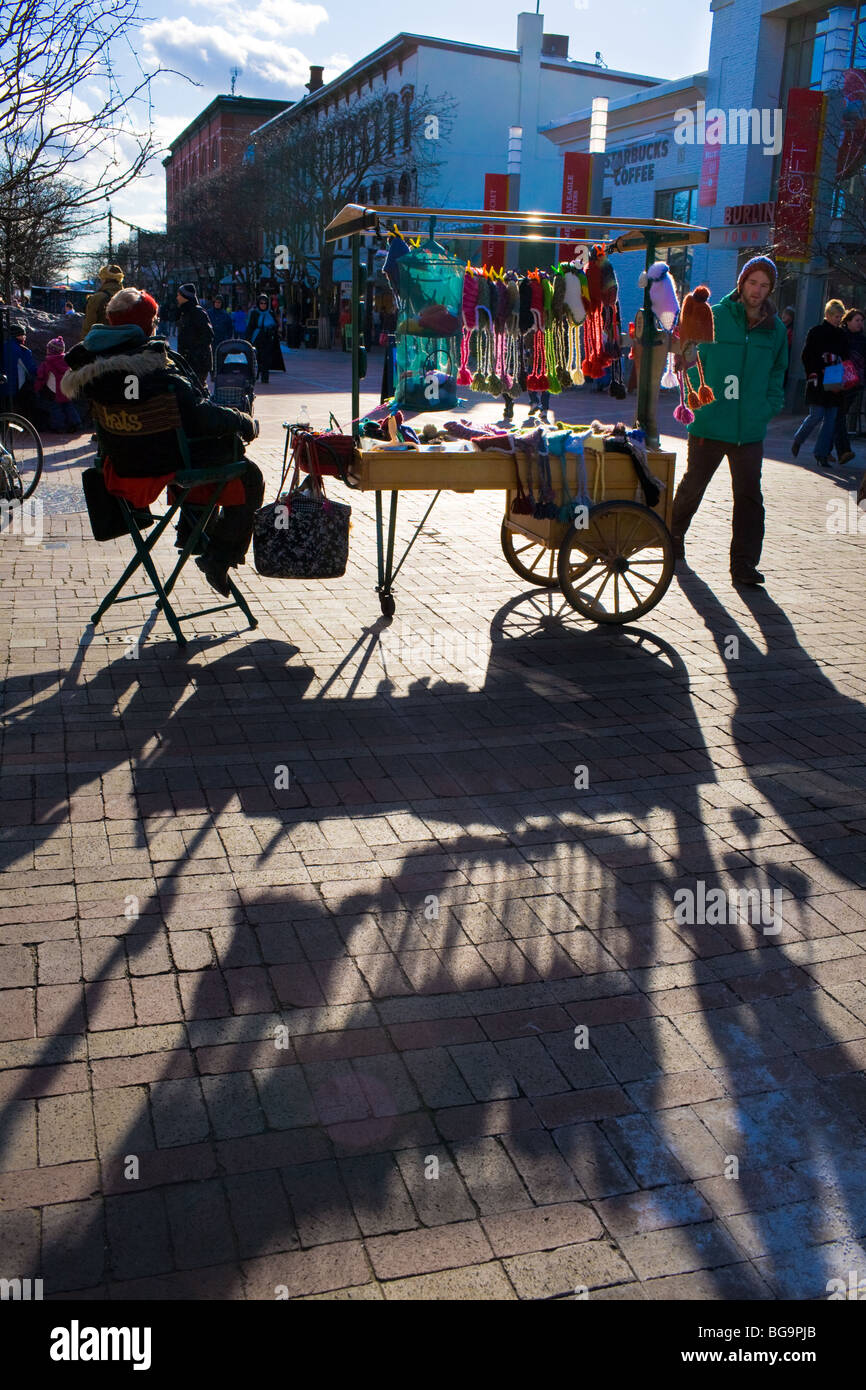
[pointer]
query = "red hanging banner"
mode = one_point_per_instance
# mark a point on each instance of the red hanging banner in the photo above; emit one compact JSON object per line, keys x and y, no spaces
{"x":801,"y":153}
{"x":496,"y":200}
{"x":576,"y":192}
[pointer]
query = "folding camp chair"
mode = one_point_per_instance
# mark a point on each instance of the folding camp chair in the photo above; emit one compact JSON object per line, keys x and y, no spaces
{"x":130,"y":432}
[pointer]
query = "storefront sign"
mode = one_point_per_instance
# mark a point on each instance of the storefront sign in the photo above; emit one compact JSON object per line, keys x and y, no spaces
{"x":636,"y":163}
{"x":801,"y":151}
{"x":747,"y":214}
{"x":496,"y":199}
{"x":757,"y":235}
{"x":576,"y":192}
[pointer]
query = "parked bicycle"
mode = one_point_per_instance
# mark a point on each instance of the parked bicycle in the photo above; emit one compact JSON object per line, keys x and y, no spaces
{"x":21,"y":457}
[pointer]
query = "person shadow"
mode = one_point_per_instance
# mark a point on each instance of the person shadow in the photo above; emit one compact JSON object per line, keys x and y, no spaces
{"x":796,"y":732}
{"x":336,"y":1034}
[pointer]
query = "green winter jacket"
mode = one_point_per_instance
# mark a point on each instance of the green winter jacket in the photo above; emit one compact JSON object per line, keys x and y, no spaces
{"x":746,"y":370}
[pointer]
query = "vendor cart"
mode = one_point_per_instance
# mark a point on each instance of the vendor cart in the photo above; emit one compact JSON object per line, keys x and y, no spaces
{"x":615,"y":563}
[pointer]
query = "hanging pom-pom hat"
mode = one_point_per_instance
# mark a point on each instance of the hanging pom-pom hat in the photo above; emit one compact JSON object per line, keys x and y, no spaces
{"x":696,"y":326}
{"x":663,"y":293}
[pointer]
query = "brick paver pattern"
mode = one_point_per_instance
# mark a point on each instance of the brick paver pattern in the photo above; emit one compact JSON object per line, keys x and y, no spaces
{"x":426,"y":1022}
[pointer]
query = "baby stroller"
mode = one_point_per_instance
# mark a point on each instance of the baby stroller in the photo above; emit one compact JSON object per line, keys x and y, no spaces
{"x":234,"y":378}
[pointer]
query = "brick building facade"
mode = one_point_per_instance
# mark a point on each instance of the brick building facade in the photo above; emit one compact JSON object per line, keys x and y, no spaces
{"x":217,"y":138}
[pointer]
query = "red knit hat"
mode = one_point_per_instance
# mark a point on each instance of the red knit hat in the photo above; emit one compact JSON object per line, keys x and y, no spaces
{"x":132,"y":306}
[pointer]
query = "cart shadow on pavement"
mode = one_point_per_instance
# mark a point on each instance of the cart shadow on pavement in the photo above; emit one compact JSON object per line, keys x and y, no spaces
{"x":436,"y":1015}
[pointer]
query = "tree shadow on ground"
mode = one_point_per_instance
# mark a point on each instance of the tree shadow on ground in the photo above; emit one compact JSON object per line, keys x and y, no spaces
{"x":431,"y":1000}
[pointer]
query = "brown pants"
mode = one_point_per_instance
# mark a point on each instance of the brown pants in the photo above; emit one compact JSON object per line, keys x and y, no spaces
{"x":745,"y":460}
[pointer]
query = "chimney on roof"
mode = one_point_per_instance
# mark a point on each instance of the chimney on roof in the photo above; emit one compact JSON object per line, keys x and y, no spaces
{"x":316,"y":79}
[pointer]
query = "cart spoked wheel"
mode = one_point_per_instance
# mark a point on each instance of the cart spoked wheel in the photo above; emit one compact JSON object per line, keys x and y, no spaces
{"x":532,"y":560}
{"x":387,"y":604}
{"x":619,"y":566}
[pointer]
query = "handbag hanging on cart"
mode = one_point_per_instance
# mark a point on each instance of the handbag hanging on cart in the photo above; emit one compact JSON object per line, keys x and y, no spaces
{"x":303,"y":534}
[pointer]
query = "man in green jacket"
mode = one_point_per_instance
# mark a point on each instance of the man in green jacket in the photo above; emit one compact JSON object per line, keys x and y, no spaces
{"x":745,"y":366}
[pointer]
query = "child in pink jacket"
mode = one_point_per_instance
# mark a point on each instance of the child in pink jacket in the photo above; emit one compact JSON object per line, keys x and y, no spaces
{"x":64,"y":416}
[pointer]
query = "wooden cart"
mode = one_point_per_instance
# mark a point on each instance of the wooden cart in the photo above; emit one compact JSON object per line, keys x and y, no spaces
{"x":616,"y":563}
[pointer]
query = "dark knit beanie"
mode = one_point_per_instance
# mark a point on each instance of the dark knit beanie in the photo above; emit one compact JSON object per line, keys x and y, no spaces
{"x":189,"y":292}
{"x":758,"y":263}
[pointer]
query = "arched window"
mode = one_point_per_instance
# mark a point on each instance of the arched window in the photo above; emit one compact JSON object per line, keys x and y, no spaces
{"x":193,"y":170}
{"x":374,"y":194}
{"x":362,"y":195}
{"x":388,"y":192}
{"x":392,"y":121}
{"x":214,"y":154}
{"x":405,"y":191}
{"x":407,"y":95}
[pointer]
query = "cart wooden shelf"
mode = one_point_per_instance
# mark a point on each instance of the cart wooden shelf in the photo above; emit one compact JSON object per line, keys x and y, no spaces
{"x":616,"y":560}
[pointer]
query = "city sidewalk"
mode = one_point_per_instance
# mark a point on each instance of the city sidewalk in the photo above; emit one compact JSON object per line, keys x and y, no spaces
{"x":353,"y":959}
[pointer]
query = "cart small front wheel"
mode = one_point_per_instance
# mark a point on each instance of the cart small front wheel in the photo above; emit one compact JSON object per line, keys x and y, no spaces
{"x":387,"y":604}
{"x":619,"y":566}
{"x":532,"y":560}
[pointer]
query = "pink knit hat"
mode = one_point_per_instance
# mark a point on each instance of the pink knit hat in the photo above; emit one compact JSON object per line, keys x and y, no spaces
{"x":56,"y":347}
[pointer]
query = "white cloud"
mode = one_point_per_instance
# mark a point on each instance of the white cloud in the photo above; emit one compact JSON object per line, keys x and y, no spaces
{"x":268,"y":16}
{"x":208,"y":52}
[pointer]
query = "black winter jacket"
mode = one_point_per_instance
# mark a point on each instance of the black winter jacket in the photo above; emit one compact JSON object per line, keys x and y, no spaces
{"x":195,"y":337}
{"x":824,"y":344}
{"x":102,"y":375}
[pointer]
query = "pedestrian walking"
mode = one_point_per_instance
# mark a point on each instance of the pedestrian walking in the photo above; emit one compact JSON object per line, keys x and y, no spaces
{"x":19,"y":369}
{"x":239,"y":322}
{"x":110,"y":281}
{"x":221,"y":321}
{"x":749,"y":352}
{"x":263,"y":334}
{"x":194,"y":333}
{"x":63,"y":416}
{"x":855,"y":353}
{"x":825,"y":346}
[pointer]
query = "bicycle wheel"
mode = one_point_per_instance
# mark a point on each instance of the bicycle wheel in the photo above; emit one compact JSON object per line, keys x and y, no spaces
{"x":23,"y":450}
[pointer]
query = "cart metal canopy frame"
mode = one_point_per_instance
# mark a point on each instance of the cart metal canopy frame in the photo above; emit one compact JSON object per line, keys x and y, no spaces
{"x":618,"y":235}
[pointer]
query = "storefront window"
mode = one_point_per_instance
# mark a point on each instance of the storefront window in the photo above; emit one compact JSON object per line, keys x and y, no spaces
{"x":678,"y":205}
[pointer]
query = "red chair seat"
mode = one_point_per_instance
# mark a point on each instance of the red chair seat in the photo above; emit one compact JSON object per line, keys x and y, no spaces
{"x":140,"y":492}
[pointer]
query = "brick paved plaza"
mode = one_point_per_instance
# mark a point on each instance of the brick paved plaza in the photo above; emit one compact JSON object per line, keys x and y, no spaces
{"x":424,"y":1025}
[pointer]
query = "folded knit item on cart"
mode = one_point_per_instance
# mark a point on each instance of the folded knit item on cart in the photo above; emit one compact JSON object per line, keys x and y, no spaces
{"x":620,"y":440}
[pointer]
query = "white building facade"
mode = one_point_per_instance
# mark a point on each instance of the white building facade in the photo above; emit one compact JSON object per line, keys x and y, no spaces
{"x":759,"y":50}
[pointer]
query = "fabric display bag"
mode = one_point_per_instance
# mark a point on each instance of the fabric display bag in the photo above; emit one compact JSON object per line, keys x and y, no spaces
{"x":425,"y":374}
{"x":331,"y":451}
{"x":303,"y":535}
{"x":429,"y":322}
{"x":851,"y":377}
{"x":431,"y":293}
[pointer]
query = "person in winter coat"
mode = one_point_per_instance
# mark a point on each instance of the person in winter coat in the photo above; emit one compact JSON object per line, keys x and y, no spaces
{"x":262,"y":332}
{"x":63,"y":413}
{"x":750,"y":350}
{"x":220,"y":321}
{"x":852,"y":327}
{"x":239,"y":323}
{"x":194,"y":333}
{"x":19,"y":369}
{"x":110,"y":281}
{"x":825,"y":345}
{"x":99,"y":369}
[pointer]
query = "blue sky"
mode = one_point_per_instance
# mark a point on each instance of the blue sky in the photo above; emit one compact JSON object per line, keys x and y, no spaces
{"x":274,"y":42}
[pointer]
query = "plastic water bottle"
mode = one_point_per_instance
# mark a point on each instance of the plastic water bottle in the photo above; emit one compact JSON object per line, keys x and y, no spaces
{"x":304,"y":417}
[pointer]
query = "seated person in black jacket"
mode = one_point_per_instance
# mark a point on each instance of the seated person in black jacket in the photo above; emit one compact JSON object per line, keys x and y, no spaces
{"x":121,"y":361}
